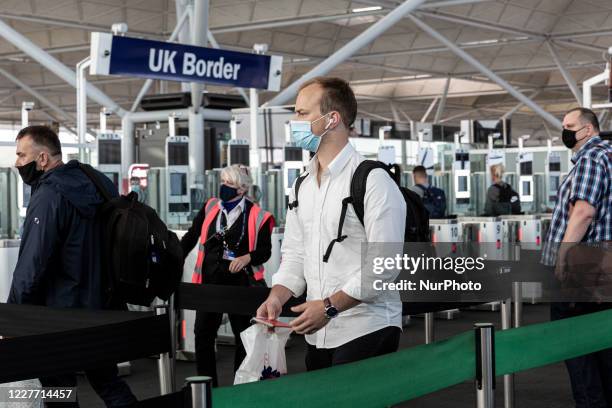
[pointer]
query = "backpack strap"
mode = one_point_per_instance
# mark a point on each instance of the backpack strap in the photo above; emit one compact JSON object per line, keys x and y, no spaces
{"x":296,"y":190}
{"x":358,"y":190}
{"x":345,"y":202}
{"x":89,"y":172}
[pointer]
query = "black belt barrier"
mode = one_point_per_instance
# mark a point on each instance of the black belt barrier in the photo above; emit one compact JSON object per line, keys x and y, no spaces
{"x":245,"y":300}
{"x":242,"y":300}
{"x":76,"y":340}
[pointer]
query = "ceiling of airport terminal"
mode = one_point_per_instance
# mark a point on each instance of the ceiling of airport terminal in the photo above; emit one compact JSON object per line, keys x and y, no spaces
{"x":404,"y":66}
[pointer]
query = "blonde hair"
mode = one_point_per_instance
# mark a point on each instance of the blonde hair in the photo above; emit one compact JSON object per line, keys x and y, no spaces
{"x":497,"y":171}
{"x":239,"y":175}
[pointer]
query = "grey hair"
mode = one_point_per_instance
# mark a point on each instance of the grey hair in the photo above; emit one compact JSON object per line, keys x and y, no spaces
{"x":239,"y":175}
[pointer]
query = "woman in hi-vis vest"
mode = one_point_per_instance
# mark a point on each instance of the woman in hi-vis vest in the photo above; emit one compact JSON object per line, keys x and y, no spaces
{"x":233,"y":238}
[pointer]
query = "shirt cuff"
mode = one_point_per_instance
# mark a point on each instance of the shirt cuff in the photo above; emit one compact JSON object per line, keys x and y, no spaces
{"x":353,"y":289}
{"x":295,"y":284}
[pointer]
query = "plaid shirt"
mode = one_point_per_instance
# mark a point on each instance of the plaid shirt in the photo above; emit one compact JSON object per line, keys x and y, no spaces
{"x":589,"y":180}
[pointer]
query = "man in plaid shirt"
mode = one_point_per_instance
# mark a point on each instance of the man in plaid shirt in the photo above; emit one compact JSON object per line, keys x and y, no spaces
{"x":583,"y":213}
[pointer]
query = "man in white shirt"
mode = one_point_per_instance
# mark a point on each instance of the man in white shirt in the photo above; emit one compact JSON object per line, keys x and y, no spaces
{"x":342,"y":322}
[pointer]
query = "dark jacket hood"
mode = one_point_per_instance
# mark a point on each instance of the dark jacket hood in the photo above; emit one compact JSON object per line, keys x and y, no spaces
{"x":74,"y":185}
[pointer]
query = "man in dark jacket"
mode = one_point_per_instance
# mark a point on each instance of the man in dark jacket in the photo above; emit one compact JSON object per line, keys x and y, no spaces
{"x":59,"y":256}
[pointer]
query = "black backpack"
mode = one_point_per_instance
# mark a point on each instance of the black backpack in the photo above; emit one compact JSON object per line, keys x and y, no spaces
{"x":434,"y":201}
{"x":141,"y":258}
{"x":417,"y":218}
{"x":509,"y":200}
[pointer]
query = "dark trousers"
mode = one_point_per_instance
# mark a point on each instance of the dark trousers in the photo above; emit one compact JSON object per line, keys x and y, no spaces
{"x":377,"y":343}
{"x":106,"y":383}
{"x":591,"y":374}
{"x":206,"y":327}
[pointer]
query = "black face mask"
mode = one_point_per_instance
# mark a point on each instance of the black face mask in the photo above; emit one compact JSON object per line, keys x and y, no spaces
{"x":227,"y":193}
{"x":29,"y":174}
{"x":569,"y":137}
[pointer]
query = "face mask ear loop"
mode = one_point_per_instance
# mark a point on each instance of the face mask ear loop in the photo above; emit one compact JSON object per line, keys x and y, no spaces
{"x":581,"y":139}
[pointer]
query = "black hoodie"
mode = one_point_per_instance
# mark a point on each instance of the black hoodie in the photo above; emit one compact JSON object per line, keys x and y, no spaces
{"x":59,"y":256}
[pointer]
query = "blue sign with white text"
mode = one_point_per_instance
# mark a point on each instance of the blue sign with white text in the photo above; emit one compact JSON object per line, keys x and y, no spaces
{"x":178,"y":62}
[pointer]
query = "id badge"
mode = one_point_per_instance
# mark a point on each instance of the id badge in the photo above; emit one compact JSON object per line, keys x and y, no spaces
{"x":229,"y":255}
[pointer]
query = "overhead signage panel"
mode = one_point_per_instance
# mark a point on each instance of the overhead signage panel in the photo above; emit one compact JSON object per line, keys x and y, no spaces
{"x":117,"y":55}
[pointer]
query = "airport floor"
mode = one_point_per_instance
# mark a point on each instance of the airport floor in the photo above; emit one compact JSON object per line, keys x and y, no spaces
{"x":545,"y":387}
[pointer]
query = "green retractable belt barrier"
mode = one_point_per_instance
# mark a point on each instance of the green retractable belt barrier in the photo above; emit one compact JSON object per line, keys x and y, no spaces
{"x":413,"y":372}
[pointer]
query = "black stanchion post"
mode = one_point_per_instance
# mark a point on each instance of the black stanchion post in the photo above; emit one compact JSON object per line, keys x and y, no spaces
{"x":517,"y":297}
{"x":429,"y":327}
{"x":163,"y":364}
{"x":200,"y":389}
{"x":173,"y":341}
{"x":485,"y":365}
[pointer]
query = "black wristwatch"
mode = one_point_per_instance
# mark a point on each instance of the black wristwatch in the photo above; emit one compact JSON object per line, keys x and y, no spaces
{"x":330,"y":310}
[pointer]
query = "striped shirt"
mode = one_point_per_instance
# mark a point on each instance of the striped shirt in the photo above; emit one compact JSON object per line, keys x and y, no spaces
{"x":589,"y":180}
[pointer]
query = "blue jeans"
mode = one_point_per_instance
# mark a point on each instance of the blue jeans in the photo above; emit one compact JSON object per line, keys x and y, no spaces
{"x":105,"y":381}
{"x":591,"y":374}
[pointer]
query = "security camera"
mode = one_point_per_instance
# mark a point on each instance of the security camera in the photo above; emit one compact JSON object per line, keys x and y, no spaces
{"x":260,"y":48}
{"x":119,"y":28}
{"x":27,"y":106}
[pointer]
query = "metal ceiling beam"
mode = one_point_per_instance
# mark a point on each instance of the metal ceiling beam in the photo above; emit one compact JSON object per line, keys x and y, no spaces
{"x":428,"y":111}
{"x":55,"y":66}
{"x":464,"y":20}
{"x":55,"y":108}
{"x":442,"y":103}
{"x":69,"y":24}
{"x":292,"y":22}
{"x":582,"y":34}
{"x":519,"y":105}
{"x":465,"y":46}
{"x":486,"y":71}
{"x":582,"y":46}
{"x":53,"y":50}
{"x":225,"y":29}
{"x":571,"y":83}
{"x":367,"y":36}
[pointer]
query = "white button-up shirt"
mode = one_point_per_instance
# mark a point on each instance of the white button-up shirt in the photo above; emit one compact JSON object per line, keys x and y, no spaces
{"x":314,"y":224}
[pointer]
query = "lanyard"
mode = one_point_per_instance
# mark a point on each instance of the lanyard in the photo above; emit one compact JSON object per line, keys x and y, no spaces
{"x":225,"y":230}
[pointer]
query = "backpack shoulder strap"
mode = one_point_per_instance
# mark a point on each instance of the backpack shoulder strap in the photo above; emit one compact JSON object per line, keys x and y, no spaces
{"x":89,"y":172}
{"x":359,"y":183}
{"x":296,"y":191}
{"x":357,"y":191}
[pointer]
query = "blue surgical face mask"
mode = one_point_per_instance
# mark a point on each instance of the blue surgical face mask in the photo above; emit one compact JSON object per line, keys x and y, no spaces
{"x":302,"y":136}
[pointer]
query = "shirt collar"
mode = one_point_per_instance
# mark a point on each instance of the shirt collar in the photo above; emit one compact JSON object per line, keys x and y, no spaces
{"x":240,"y":205}
{"x":583,"y":150}
{"x":336,"y":165}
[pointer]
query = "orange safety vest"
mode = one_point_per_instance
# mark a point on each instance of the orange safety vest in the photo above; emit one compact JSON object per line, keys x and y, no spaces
{"x":257,"y":218}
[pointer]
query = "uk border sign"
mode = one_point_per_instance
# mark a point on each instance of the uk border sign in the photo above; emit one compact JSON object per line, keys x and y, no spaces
{"x":117,"y":55}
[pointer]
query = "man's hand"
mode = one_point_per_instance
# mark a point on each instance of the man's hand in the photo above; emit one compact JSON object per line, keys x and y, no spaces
{"x":270,"y":309}
{"x":561,"y":265}
{"x":240,"y":263}
{"x":312,"y":318}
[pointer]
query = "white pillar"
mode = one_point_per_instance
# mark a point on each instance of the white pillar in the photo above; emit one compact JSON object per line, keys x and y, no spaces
{"x":254,"y":161}
{"x":196,"y":144}
{"x":81,"y":90}
{"x":127,"y":150}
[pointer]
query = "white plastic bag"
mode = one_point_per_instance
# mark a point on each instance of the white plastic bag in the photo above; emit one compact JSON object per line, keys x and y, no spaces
{"x":265,"y":354}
